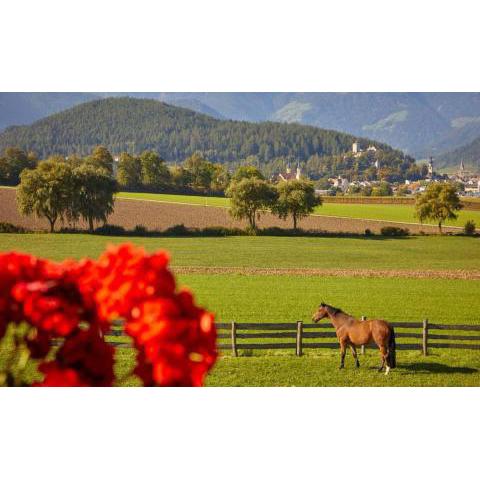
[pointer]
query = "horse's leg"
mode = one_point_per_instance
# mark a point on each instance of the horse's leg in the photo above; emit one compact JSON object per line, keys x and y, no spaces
{"x":355,"y":356}
{"x":343,"y":351}
{"x":384,"y":354}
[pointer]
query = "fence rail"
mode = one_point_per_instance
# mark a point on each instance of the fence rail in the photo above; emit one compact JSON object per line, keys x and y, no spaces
{"x":420,"y":331}
{"x":300,"y":333}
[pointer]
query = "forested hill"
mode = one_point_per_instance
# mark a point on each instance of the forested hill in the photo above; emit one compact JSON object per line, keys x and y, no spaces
{"x":127,"y":124}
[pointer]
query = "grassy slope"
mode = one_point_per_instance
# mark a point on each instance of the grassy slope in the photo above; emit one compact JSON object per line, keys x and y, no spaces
{"x":395,"y":213}
{"x":417,"y":253}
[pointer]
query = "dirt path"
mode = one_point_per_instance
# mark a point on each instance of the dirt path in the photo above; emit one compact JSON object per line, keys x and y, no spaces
{"x":309,"y":272}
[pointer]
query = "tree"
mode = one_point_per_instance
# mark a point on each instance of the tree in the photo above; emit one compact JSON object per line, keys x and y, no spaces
{"x":202,"y":171}
{"x":247,"y":171}
{"x":181,"y":177}
{"x":296,"y":198}
{"x":438,"y":203}
{"x":129,"y":172}
{"x":100,"y":158}
{"x":155,"y":173}
{"x":220,"y":178}
{"x":47,"y":191}
{"x":383,"y":189}
{"x":13,"y":162}
{"x":94,"y":194}
{"x":248,"y":197}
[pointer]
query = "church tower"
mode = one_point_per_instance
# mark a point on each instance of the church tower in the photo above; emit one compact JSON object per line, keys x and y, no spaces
{"x":430,"y":167}
{"x":299,"y":171}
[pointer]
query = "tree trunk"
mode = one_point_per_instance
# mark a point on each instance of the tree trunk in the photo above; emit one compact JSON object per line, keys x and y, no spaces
{"x":440,"y":227}
{"x":90,"y":224}
{"x":253,"y":221}
{"x":52,"y":224}
{"x":294,"y":221}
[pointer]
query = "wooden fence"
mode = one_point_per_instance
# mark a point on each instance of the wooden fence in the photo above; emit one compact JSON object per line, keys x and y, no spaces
{"x":421,"y":335}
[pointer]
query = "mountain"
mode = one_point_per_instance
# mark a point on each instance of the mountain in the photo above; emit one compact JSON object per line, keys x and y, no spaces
{"x":421,"y":124}
{"x":198,"y":107}
{"x":470,"y":154}
{"x":25,"y":108}
{"x":131,"y":124}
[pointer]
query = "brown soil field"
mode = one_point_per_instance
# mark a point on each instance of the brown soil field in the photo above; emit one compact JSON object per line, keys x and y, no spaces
{"x":159,"y":216}
{"x":308,"y":272}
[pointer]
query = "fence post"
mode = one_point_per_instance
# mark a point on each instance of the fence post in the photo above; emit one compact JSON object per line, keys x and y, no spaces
{"x":425,"y":337}
{"x":362,"y":348}
{"x":234,"y":339}
{"x":299,"y":351}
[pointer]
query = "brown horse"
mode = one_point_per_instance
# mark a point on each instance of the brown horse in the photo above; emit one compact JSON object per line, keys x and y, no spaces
{"x":353,"y":333}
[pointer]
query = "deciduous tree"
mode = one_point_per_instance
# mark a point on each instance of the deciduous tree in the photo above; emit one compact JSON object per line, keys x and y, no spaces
{"x":296,"y":198}
{"x":438,"y":203}
{"x":94,"y":194}
{"x":101,"y":158}
{"x":13,"y":162}
{"x":247,"y":171}
{"x":47,"y":191}
{"x":155,"y":173}
{"x":248,"y":197}
{"x":129,"y":172}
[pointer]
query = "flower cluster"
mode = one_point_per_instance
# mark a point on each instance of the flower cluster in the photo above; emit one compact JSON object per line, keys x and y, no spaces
{"x":72,"y":304}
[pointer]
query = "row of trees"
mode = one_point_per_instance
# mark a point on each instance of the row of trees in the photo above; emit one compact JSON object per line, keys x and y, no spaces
{"x":251,"y":194}
{"x":69,"y":190}
{"x":148,"y":171}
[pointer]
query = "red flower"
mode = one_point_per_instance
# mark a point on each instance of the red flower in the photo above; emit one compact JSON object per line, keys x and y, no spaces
{"x":88,"y":355}
{"x":14,"y":268}
{"x":38,"y":343}
{"x":128,"y":277}
{"x":56,"y":376}
{"x":76,"y":301}
{"x":176,"y":341}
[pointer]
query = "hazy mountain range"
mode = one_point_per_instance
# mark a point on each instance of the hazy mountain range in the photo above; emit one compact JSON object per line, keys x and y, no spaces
{"x":421,"y":124}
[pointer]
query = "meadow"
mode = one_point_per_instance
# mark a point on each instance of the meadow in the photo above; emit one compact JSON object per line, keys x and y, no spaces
{"x":286,"y":298}
{"x":410,"y":253}
{"x":385,"y":212}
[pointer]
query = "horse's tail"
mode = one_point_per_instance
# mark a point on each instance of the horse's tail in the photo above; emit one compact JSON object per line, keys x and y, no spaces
{"x":392,"y":357}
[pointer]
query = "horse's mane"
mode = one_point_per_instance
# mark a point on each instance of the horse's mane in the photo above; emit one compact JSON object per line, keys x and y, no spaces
{"x":335,"y":309}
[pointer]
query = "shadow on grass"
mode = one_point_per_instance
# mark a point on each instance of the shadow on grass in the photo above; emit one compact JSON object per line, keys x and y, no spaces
{"x":432,"y":367}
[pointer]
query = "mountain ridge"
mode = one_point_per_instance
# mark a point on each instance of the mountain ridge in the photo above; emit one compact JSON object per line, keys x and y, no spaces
{"x":421,"y":123}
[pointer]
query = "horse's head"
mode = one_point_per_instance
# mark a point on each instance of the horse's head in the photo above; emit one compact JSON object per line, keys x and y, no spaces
{"x":322,"y":312}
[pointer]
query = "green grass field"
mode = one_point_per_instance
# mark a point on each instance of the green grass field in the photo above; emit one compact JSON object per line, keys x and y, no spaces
{"x":277,"y":299}
{"x":393,"y":213}
{"x":417,"y":253}
{"x":270,"y":298}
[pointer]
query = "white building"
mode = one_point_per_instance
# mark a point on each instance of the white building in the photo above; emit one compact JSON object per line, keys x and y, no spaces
{"x":289,"y":175}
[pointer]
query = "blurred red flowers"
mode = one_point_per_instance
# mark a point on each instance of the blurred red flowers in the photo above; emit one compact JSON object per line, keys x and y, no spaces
{"x":72,"y":304}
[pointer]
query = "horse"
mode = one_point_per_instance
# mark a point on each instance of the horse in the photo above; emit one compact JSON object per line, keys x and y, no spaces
{"x":353,"y":333}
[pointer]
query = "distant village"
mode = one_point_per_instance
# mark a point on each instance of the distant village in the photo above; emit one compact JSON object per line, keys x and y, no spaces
{"x":468,"y":182}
